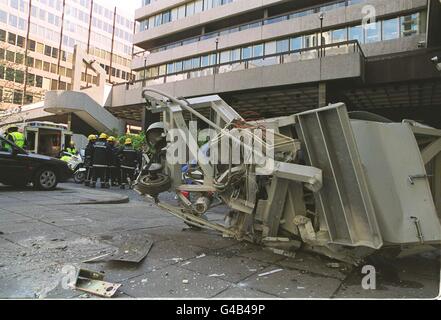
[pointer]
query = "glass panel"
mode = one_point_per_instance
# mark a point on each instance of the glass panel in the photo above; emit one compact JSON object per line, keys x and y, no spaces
{"x":372,"y":32}
{"x":246,"y":53}
{"x":409,"y":25}
{"x":339,"y":35}
{"x":270,"y":48}
{"x":296,"y":43}
{"x":391,"y":29}
{"x":356,"y":33}
{"x":282,"y":46}
{"x":258,"y":50}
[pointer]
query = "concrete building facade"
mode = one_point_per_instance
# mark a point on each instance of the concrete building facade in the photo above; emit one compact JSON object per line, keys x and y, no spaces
{"x":277,"y":57}
{"x":53,"y":28}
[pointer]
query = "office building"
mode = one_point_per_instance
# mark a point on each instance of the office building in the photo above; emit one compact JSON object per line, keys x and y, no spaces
{"x":55,"y":27}
{"x":277,"y":57}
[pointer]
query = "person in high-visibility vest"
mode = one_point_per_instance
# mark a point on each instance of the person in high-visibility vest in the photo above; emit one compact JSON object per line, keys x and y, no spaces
{"x":17,"y":137}
{"x":71,"y":149}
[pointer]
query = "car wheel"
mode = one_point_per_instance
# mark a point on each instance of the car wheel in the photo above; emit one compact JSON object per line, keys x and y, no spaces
{"x":45,"y":179}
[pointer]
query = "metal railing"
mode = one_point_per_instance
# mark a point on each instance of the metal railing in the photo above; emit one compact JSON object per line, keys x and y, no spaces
{"x":316,"y":52}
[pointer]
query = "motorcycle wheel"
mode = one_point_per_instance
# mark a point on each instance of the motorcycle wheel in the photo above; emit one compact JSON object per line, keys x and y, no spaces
{"x":79,"y":177}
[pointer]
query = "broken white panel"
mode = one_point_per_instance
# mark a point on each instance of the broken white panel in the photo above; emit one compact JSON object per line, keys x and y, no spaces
{"x":391,"y":157}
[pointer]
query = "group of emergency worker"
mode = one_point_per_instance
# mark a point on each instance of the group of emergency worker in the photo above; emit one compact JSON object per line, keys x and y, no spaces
{"x":109,"y":163}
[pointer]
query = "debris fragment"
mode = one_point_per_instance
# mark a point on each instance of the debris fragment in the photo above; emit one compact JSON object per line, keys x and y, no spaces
{"x":214,"y":275}
{"x":92,"y":282}
{"x":270,"y":272}
{"x":333,"y":265}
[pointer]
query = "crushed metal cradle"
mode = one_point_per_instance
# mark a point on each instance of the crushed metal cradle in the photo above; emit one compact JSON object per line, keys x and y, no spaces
{"x":330,"y":182}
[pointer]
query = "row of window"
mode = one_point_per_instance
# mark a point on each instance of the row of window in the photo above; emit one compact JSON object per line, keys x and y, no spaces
{"x":49,"y":51}
{"x":259,"y":23}
{"x":381,"y":30}
{"x":8,"y":95}
{"x":180,"y":12}
{"x":77,"y":32}
{"x":18,"y":58}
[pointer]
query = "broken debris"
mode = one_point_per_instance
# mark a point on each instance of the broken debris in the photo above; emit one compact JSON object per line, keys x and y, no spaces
{"x":92,"y":282}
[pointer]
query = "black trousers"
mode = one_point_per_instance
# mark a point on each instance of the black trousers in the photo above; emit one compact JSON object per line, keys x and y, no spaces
{"x":127,"y":174}
{"x":115,"y":174}
{"x":100,"y":173}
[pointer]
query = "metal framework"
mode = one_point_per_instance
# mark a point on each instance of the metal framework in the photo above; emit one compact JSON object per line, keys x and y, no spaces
{"x":320,"y":184}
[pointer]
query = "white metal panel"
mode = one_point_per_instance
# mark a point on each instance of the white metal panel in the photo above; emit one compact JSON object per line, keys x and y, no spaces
{"x":390,"y":154}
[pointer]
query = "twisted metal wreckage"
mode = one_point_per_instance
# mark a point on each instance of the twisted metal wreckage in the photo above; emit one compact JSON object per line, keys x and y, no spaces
{"x":343,"y":185}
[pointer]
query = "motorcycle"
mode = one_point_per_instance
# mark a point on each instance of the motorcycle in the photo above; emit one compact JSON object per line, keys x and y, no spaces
{"x":76,"y":164}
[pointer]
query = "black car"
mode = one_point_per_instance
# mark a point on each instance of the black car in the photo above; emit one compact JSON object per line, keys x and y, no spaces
{"x":19,"y":168}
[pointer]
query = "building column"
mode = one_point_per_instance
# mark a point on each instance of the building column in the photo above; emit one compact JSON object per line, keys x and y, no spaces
{"x":322,"y":95}
{"x":148,"y":118}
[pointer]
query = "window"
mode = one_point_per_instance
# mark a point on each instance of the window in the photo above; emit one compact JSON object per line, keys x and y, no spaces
{"x":198,"y":6}
{"x":225,"y":56}
{"x":19,"y":58}
{"x":391,"y":29}
{"x":31,"y":45}
{"x":410,"y":24}
{"x":47,"y":50}
{"x":12,"y":38}
{"x":46,"y":66}
{"x":30,"y":62}
{"x":38,"y":64}
{"x":372,"y":32}
{"x":188,"y":64}
{"x":39,"y":81}
{"x":10,"y":73}
{"x":10,"y":56}
{"x":181,"y":12}
{"x":19,"y":76}
{"x":170,"y":68}
{"x":258,"y":50}
{"x":270,"y":48}
{"x":196,"y":63}
{"x":356,"y":33}
{"x":2,"y":35}
{"x":40,"y":47}
{"x":296,"y":43}
{"x":18,"y":96}
{"x":339,"y":35}
{"x":178,"y":66}
{"x":166,"y":17}
{"x":310,"y":41}
{"x":282,"y":46}
{"x":190,"y":9}
{"x":247,"y":53}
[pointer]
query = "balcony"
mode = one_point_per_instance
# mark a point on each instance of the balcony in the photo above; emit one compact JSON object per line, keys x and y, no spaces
{"x":334,"y":61}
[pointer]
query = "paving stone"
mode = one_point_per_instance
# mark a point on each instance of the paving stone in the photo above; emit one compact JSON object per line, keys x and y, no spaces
{"x":10,"y":217}
{"x":30,"y":284}
{"x":173,"y":282}
{"x":292,"y":284}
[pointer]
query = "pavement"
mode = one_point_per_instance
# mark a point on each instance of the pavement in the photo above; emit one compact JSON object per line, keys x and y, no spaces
{"x":44,"y":234}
